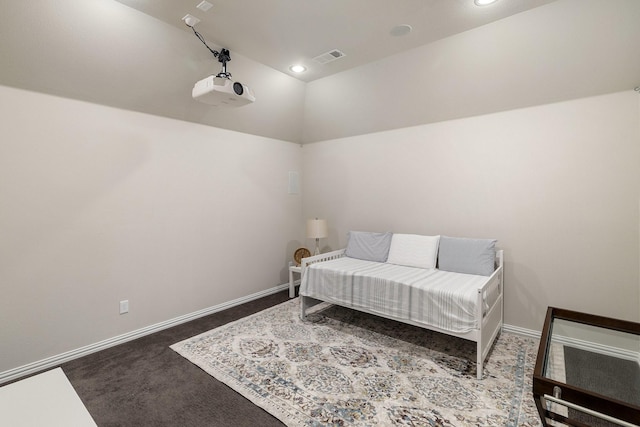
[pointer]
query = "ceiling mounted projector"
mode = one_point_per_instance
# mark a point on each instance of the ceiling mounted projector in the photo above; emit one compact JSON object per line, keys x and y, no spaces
{"x":222,"y":92}
{"x":219,"y":90}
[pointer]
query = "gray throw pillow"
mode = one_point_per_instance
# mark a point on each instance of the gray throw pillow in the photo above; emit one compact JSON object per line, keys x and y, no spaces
{"x":368,"y":246}
{"x":470,"y":256}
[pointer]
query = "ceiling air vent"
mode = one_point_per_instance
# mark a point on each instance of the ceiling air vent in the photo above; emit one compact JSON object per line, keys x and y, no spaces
{"x":330,"y":56}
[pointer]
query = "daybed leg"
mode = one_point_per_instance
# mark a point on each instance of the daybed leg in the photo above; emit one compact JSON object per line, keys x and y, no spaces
{"x":479,"y":361}
{"x":305,"y":304}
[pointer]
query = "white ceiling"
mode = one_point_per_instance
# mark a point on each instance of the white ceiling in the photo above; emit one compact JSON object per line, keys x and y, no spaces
{"x":280,"y":33}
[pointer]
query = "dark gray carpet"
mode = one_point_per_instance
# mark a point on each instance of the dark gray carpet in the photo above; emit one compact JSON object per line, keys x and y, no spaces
{"x":606,"y":375}
{"x":145,"y":383}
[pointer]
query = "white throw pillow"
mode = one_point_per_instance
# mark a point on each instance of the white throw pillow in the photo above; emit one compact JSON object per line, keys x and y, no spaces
{"x":414,"y":250}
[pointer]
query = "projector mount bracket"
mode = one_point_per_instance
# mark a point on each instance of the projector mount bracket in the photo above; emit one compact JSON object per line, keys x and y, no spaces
{"x":223,"y":56}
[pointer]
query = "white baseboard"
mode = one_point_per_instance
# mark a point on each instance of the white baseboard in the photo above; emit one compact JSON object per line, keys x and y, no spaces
{"x":529,"y":333}
{"x":59,"y":359}
{"x":618,"y":353}
{"x":608,"y":350}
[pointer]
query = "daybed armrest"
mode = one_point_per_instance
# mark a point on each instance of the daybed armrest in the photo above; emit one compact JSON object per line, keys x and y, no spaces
{"x":490,"y":318}
{"x":307,"y":302}
{"x":493,"y":285}
{"x":322,"y":257}
{"x":490,"y":295}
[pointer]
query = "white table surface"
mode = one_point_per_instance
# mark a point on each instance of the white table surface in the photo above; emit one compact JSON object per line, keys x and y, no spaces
{"x":46,"y":399}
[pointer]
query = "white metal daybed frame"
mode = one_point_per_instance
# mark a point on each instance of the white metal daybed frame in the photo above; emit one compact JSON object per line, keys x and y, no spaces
{"x":490,"y":323}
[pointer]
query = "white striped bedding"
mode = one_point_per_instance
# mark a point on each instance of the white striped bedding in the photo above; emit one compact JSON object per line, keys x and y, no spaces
{"x":430,"y":297}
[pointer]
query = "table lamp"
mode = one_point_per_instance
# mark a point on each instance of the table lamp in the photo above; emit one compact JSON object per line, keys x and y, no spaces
{"x":317,"y":229}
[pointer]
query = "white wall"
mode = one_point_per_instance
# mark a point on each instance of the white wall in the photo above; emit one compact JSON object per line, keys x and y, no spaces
{"x":557,"y":184}
{"x":99,"y":205}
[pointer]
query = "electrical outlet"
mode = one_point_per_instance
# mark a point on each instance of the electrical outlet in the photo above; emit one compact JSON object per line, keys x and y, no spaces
{"x":124,"y":306}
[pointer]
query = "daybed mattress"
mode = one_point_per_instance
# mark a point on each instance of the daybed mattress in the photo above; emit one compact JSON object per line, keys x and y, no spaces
{"x":430,"y":297}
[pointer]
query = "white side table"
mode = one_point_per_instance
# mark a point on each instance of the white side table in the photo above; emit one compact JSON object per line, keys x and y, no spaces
{"x":292,"y":283}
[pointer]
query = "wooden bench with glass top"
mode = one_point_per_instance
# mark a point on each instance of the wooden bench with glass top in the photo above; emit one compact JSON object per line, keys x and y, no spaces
{"x":587,"y":371}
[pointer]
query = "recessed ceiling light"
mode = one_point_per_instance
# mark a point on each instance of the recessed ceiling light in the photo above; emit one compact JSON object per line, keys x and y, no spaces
{"x":298,"y":68}
{"x":400,"y":30}
{"x":483,"y":2}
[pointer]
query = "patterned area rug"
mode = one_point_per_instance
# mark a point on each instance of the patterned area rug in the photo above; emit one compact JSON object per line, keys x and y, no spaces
{"x":345,"y":368}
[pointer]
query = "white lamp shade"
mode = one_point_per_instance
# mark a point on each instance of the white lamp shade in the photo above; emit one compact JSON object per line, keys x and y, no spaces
{"x":317,"y":228}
